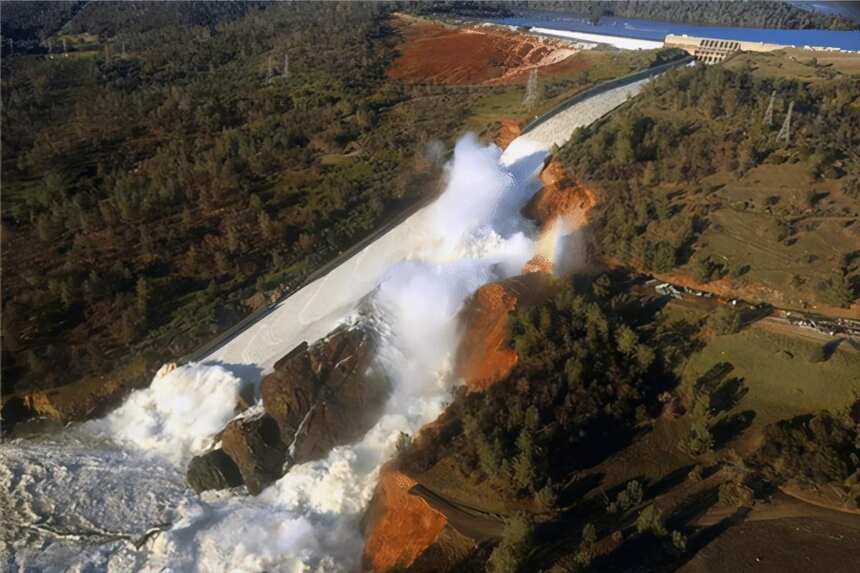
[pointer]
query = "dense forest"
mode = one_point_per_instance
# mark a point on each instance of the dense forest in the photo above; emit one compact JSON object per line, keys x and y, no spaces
{"x":693,"y":125}
{"x":161,"y":181}
{"x":765,"y":14}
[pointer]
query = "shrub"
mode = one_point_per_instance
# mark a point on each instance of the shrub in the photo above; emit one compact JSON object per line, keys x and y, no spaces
{"x":630,"y":496}
{"x":735,"y":494}
{"x":835,"y":291}
{"x":650,"y":520}
{"x":726,"y":320}
{"x":706,"y":269}
{"x":510,"y":553}
{"x":814,"y":449}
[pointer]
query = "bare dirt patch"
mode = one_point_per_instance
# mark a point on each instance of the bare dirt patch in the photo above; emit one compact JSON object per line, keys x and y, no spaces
{"x":457,"y":55}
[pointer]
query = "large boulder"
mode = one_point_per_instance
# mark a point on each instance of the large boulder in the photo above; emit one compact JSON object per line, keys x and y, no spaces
{"x":290,"y":390}
{"x":318,"y":397}
{"x":326,"y":395}
{"x":213,"y":470}
{"x":254,"y":443}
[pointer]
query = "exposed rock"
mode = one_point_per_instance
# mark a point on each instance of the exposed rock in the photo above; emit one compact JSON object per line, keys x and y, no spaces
{"x":317,"y":397}
{"x":508,"y":131}
{"x":325,"y":395}
{"x":538,"y":264}
{"x":213,"y":470}
{"x":254,"y":443}
{"x":290,"y":390}
{"x":561,"y":209}
{"x":74,"y":402}
{"x":483,"y":357}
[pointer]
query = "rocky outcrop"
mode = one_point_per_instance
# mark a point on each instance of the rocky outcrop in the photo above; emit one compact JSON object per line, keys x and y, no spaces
{"x":318,"y":397}
{"x":254,"y":444}
{"x":484,"y":357}
{"x":213,"y":470}
{"x":326,"y":395}
{"x":559,"y":198}
{"x":508,"y":131}
{"x":289,"y":392}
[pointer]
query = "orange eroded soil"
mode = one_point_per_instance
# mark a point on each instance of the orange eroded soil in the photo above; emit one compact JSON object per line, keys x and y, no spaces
{"x":509,"y":131}
{"x":400,"y":526}
{"x":484,"y":357}
{"x":560,"y":197}
{"x":444,"y":54}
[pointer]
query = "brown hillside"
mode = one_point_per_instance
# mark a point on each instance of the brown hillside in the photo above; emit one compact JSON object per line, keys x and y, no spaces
{"x":439,"y":53}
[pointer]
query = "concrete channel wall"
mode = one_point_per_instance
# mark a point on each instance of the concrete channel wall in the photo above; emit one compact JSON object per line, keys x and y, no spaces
{"x":593,"y":103}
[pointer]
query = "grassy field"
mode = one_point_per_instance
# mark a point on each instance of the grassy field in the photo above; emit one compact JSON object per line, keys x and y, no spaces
{"x":776,"y":369}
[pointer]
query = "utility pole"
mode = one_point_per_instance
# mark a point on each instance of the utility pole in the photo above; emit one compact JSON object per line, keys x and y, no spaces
{"x":286,"y":66}
{"x":269,"y":70}
{"x":785,"y":133}
{"x":65,"y":48}
{"x":768,"y":115}
{"x":531,"y":89}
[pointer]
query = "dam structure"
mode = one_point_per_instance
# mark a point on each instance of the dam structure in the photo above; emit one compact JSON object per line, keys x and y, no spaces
{"x":714,"y":51}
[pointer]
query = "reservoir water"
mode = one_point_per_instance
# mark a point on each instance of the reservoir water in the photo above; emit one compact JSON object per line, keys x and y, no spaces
{"x":653,"y":30}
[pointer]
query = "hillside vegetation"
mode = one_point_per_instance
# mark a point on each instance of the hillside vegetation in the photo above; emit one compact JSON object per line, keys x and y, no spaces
{"x":698,"y":182}
{"x":623,"y":437}
{"x":162,"y":181}
{"x":155,"y":180}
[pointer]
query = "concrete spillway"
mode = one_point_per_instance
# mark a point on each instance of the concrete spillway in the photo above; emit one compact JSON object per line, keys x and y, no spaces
{"x":315,"y":309}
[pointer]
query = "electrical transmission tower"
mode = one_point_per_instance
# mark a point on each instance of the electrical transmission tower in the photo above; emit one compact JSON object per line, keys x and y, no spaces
{"x":785,"y":133}
{"x":768,"y":115}
{"x":531,"y":89}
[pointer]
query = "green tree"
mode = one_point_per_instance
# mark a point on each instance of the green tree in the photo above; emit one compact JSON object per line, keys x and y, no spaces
{"x":510,"y":554}
{"x":650,"y":520}
{"x":726,"y":320}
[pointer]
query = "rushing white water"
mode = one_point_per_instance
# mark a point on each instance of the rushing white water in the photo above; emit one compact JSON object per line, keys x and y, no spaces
{"x":84,"y":500}
{"x":308,"y":520}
